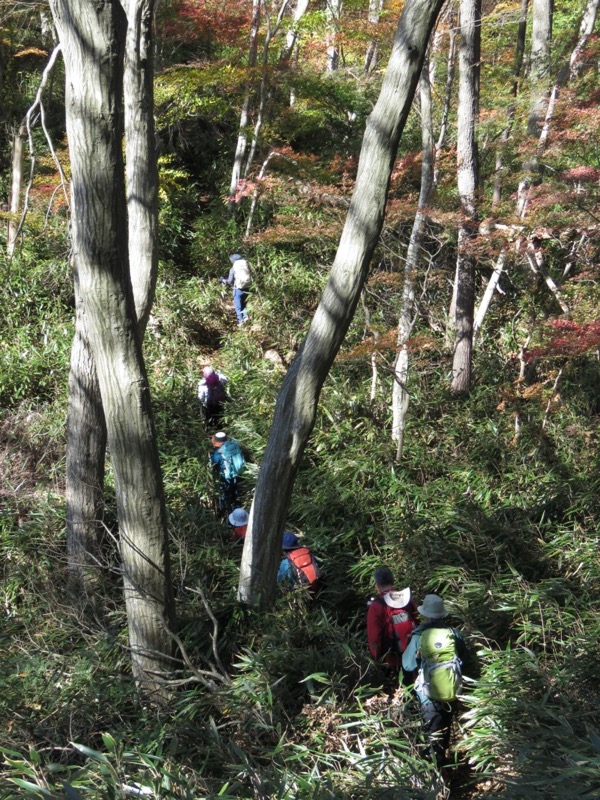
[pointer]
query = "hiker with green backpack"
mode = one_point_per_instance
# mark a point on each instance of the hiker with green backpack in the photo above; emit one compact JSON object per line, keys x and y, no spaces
{"x":438,"y":652}
{"x":227,"y":458}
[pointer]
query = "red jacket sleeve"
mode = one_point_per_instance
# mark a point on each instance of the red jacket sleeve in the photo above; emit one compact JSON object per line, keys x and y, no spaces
{"x":376,"y":628}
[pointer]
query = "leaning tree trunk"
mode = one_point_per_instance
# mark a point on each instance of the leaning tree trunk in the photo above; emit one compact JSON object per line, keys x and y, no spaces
{"x":296,"y":406}
{"x":92,"y":35}
{"x":468,"y":179}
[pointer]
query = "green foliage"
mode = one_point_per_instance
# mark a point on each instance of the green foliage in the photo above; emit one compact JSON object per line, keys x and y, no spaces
{"x":501,"y":519}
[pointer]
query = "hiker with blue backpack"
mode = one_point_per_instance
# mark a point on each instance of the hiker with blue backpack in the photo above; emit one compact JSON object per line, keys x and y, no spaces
{"x":227,"y":458}
{"x":298,"y":566}
{"x":438,"y":652}
{"x":240,"y":278}
{"x":391,"y":619}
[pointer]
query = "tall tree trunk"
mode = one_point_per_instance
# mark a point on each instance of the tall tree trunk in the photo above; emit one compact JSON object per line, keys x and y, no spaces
{"x":85,"y":416}
{"x":291,"y":39}
{"x":510,"y":112}
{"x":16,"y":186}
{"x":468,"y":179}
{"x":92,"y":35}
{"x":140,"y":153}
{"x":541,"y":40}
{"x":86,"y":448}
{"x":586,"y":28}
{"x":375,"y":8}
{"x":264,"y":90}
{"x":296,"y":406}
{"x":400,"y":393}
{"x":333,"y":13}
{"x":242,"y":142}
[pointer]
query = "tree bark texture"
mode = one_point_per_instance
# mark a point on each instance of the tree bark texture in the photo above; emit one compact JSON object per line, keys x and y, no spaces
{"x":16,"y":186}
{"x":467,"y":179}
{"x":541,"y":40}
{"x":92,"y":35}
{"x":86,"y":448}
{"x":296,"y":405}
{"x":140,"y":152}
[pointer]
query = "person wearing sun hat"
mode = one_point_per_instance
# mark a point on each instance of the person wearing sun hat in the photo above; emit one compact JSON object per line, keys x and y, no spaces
{"x":212,"y":394}
{"x":238,"y":519}
{"x":391,"y":619}
{"x":298,"y":565}
{"x":438,"y":652}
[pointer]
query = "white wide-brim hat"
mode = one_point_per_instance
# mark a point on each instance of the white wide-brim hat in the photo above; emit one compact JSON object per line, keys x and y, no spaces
{"x":238,"y":516}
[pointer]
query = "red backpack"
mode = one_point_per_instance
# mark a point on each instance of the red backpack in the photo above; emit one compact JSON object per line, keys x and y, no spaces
{"x":402,"y":619}
{"x":306,"y":568}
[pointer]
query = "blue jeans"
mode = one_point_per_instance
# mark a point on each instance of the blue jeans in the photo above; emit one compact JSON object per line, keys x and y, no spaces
{"x":239,"y":303}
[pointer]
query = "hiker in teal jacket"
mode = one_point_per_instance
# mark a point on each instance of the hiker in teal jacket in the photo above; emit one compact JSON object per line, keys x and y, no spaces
{"x":439,"y":674}
{"x":227,"y":458}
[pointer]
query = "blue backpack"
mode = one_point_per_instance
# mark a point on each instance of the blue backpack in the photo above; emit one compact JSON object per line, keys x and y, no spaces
{"x":234,"y":462}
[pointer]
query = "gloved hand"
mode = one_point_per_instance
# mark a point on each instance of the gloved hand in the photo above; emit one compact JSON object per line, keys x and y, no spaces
{"x":223,"y":281}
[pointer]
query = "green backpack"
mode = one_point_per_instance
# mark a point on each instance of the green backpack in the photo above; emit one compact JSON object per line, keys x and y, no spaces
{"x":441,"y":666}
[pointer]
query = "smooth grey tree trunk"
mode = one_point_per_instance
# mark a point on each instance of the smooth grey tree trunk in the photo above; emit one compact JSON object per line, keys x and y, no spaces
{"x":140,"y":154}
{"x":16,"y":186}
{"x":333,"y":12}
{"x":375,"y":9}
{"x":242,"y":142}
{"x":85,"y":458}
{"x":510,"y":112}
{"x":92,"y":34}
{"x":541,"y":41}
{"x":296,"y":405}
{"x":468,"y":180}
{"x":85,"y":416}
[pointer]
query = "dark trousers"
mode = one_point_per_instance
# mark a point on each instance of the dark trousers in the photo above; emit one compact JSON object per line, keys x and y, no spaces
{"x":437,"y":719}
{"x":228,"y":494}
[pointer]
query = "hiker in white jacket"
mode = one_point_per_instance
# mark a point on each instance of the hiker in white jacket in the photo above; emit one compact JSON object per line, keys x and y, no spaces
{"x":240,"y":278}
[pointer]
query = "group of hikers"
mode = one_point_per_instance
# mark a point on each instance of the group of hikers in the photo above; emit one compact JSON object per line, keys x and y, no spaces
{"x":415,"y":645}
{"x":426,"y":654}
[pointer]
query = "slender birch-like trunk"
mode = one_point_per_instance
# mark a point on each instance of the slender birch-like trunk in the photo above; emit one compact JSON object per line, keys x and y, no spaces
{"x":16,"y":186}
{"x":242,"y":142}
{"x":541,"y":41}
{"x":468,"y":180}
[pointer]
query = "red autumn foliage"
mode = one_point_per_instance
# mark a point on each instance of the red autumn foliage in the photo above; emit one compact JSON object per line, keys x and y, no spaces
{"x":218,"y":21}
{"x":572,"y":339}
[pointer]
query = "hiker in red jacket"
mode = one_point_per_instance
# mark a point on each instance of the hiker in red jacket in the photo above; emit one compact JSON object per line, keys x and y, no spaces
{"x":391,"y":619}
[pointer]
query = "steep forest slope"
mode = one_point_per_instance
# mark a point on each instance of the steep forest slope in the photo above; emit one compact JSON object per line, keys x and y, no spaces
{"x":493,"y":503}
